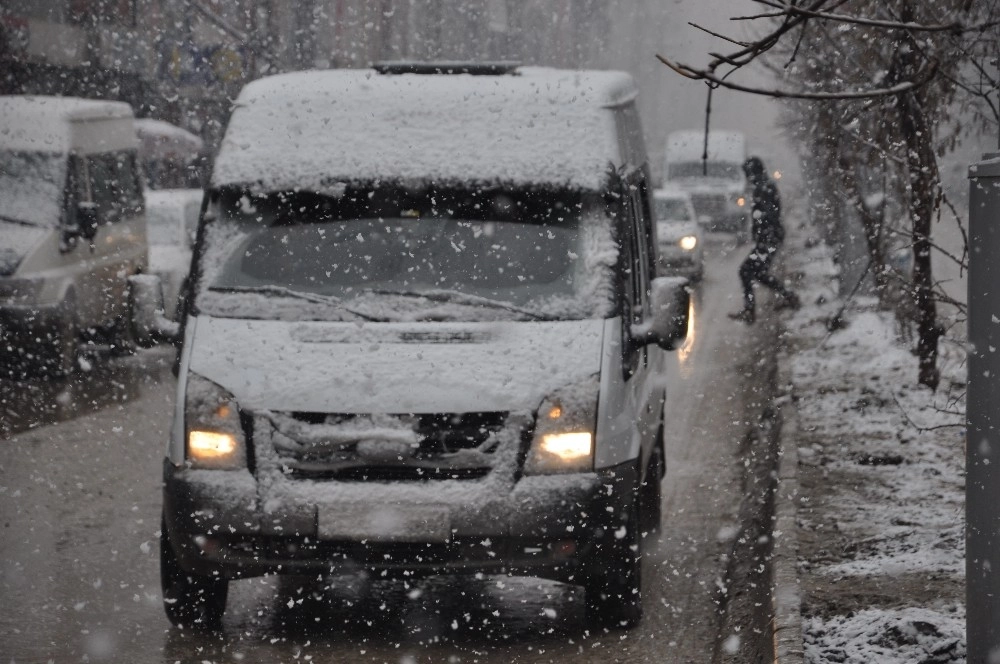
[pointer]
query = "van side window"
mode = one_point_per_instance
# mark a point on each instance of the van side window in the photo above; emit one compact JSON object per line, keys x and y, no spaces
{"x":114,"y":184}
{"x":630,"y":134}
{"x":645,"y":221}
{"x":635,"y":278}
{"x":81,"y":180}
{"x":75,"y":191}
{"x":101,"y":174}
{"x":128,"y":180}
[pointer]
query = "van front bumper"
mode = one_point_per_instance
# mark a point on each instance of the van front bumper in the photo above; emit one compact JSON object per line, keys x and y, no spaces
{"x":730,"y":222}
{"x":673,"y":260}
{"x":546,"y":526}
{"x":27,"y":330}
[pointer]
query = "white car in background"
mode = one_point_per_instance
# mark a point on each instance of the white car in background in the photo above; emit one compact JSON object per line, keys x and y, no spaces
{"x":679,"y":237}
{"x":172,"y":216}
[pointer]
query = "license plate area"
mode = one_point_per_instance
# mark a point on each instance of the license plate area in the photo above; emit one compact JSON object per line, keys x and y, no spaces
{"x":385,"y":523}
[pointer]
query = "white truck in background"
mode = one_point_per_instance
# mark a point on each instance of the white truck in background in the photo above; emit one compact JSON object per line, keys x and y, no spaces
{"x":714,"y":178}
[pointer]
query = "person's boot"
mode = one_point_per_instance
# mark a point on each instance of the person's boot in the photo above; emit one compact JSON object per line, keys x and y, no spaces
{"x":790,"y":301}
{"x":744,"y":315}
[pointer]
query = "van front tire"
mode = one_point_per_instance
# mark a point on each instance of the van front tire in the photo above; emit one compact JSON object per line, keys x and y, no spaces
{"x":652,"y":494}
{"x":613,"y":590}
{"x":191,"y":601}
{"x":64,"y":353}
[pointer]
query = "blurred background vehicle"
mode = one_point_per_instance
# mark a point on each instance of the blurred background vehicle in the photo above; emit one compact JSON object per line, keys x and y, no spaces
{"x":714,"y":177}
{"x":72,"y":228}
{"x":172,"y":215}
{"x":172,"y":157}
{"x":678,"y":235}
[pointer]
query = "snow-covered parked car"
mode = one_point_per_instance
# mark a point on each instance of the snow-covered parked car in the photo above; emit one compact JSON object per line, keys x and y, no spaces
{"x":172,"y":216}
{"x":423,"y":336}
{"x":72,"y":229}
{"x":678,"y":234}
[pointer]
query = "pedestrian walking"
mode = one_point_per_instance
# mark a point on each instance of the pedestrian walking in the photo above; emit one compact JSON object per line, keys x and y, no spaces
{"x":768,"y":234}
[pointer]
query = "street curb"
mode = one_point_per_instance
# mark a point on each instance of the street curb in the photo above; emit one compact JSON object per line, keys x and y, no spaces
{"x":786,"y":592}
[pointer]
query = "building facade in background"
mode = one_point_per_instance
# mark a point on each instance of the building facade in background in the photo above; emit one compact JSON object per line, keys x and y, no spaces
{"x":183,"y":61}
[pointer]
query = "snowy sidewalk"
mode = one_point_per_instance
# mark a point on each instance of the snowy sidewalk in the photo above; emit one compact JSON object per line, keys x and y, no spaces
{"x":873,"y":483}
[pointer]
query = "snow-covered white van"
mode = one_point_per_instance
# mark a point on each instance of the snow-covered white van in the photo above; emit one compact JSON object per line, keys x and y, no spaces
{"x":712,"y":173}
{"x":422,"y":336}
{"x":72,"y":228}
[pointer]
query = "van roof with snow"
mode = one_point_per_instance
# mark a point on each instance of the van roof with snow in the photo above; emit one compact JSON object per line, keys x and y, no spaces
{"x":723,"y":145}
{"x":322,"y":130}
{"x":64,"y":124}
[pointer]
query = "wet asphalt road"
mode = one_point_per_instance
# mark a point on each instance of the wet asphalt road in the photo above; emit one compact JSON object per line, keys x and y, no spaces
{"x":79,"y":511}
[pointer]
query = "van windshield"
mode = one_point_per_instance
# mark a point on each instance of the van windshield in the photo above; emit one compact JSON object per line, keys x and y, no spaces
{"x":389,"y":254}
{"x":31,"y":187}
{"x":696,"y":169}
{"x":671,"y":209}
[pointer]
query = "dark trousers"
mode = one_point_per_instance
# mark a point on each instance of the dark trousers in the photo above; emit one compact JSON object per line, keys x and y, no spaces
{"x":757,"y":267}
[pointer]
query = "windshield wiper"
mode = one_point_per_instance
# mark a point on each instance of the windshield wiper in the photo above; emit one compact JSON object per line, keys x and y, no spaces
{"x":20,"y":222}
{"x":457,"y":297}
{"x":301,"y":295}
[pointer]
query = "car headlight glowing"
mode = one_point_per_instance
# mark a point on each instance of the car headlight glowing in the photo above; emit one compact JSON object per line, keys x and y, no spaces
{"x":564,"y":431}
{"x":204,"y":445}
{"x":569,"y":446}
{"x":688,"y":242}
{"x":214,"y":435}
{"x":741,"y":201}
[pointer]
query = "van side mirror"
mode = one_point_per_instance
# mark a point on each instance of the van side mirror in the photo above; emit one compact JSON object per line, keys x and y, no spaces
{"x":667,"y":322}
{"x":149,"y":325}
{"x":87,"y":219}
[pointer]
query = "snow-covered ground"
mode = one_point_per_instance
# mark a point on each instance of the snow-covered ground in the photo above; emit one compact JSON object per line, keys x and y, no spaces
{"x":880,"y":514}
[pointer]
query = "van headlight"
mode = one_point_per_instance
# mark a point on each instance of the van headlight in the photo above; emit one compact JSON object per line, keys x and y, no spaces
{"x":688,"y":242}
{"x":213,"y":435}
{"x":17,"y":290}
{"x":564,"y":431}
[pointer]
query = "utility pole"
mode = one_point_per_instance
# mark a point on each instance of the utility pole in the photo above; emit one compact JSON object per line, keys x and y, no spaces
{"x":982,"y":446}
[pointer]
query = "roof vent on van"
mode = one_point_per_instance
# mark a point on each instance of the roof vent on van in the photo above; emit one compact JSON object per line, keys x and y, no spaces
{"x":498,"y":68}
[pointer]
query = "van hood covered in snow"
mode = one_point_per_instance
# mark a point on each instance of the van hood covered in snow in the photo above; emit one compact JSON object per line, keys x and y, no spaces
{"x":394,"y":367}
{"x":708,"y":185}
{"x":16,"y":241}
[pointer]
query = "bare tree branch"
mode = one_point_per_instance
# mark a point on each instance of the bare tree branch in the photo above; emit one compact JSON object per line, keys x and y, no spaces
{"x":708,"y":76}
{"x":923,"y":429}
{"x":720,"y":36}
{"x":954,"y":27}
{"x":757,"y":16}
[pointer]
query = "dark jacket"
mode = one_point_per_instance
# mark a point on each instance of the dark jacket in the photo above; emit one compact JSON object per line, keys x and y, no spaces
{"x":766,"y":210}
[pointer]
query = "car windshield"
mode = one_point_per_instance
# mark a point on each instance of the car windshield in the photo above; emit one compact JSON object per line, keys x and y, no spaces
{"x":671,"y":209}
{"x":390,"y":254}
{"x":31,"y":186}
{"x":713,"y":169}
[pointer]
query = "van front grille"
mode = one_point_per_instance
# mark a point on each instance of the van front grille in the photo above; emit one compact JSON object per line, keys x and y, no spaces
{"x":712,"y":206}
{"x":381,"y":447}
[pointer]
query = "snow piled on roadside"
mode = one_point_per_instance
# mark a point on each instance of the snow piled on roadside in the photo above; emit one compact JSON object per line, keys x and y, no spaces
{"x":887,"y":637}
{"x":900,"y":447}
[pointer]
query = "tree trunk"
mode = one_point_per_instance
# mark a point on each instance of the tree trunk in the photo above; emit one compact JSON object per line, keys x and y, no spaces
{"x":922,"y":166}
{"x":921,"y":163}
{"x":871,"y":220}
